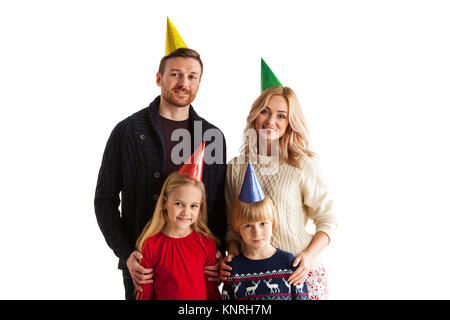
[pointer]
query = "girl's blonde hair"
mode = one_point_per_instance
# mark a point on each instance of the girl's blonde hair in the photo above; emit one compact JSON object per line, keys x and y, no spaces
{"x":294,"y":144}
{"x":159,"y":219}
{"x":242,"y":213}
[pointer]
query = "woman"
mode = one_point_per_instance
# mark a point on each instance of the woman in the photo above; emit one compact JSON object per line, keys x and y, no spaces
{"x":289,"y":173}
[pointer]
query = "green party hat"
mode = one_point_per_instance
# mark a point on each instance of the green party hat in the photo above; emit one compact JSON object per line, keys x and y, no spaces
{"x":268,"y":78}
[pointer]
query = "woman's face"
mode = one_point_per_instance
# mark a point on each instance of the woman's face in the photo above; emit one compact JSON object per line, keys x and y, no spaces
{"x":273,"y":120}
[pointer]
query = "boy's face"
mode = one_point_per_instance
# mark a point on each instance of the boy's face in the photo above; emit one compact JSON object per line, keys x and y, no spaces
{"x":256,"y":235}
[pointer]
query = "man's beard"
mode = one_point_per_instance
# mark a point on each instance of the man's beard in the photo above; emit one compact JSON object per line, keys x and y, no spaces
{"x":171,"y":97}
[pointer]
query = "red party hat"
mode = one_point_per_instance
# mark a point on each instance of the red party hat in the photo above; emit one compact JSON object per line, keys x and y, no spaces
{"x":193,"y":168}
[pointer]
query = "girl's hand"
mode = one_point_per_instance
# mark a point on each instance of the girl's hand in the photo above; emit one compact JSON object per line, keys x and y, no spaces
{"x":224,"y":267}
{"x":299,"y":276}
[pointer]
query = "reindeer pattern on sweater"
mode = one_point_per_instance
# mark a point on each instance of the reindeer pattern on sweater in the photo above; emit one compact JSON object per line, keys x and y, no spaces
{"x":265,"y":279}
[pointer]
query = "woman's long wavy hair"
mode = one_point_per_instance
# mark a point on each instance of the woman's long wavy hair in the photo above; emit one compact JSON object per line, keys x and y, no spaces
{"x":159,"y":219}
{"x":294,"y":144}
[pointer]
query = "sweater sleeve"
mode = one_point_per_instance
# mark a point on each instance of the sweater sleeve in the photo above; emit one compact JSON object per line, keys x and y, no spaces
{"x":230,"y":196}
{"x":147,"y":262}
{"x":215,"y":183}
{"x":227,"y":291}
{"x":220,"y":219}
{"x":109,"y":185}
{"x":228,"y":288}
{"x":316,"y":198}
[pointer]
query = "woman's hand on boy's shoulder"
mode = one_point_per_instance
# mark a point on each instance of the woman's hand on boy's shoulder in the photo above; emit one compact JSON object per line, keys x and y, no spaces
{"x":225,"y":268}
{"x":303,"y":264}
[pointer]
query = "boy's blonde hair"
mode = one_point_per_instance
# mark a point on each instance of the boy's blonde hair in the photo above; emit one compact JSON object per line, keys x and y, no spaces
{"x":242,"y":213}
{"x":159,"y":219}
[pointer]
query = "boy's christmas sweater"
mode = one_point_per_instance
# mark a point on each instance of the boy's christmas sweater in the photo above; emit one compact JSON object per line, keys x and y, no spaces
{"x":265,"y":279}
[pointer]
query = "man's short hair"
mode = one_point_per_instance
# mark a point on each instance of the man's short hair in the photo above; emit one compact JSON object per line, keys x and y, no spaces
{"x":182,"y":53}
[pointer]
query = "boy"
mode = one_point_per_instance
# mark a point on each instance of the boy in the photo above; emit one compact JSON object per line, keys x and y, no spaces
{"x":261,"y":271}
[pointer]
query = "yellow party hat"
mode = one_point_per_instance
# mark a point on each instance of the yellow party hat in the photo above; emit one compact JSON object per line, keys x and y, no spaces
{"x":173,"y":39}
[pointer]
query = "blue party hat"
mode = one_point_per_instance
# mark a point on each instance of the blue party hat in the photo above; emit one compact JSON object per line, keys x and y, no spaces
{"x":251,"y":188}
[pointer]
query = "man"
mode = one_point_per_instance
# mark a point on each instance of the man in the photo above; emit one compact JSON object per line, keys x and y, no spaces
{"x":138,"y":157}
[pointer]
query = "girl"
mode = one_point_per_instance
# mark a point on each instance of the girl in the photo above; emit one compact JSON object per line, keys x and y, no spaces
{"x":261,"y":271}
{"x":293,"y":179}
{"x":177,"y":244}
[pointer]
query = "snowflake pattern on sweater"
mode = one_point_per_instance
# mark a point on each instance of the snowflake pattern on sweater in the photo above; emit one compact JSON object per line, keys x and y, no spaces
{"x":265,"y":279}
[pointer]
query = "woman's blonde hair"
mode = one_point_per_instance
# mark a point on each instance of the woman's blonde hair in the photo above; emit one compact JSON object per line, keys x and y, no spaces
{"x":242,"y":213}
{"x":294,"y":144}
{"x":159,"y":219}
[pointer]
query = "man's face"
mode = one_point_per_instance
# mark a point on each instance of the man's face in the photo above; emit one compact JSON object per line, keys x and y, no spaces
{"x":180,"y":81}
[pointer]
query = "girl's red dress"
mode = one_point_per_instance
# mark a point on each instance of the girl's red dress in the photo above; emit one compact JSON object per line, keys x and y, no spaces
{"x":178,"y":268}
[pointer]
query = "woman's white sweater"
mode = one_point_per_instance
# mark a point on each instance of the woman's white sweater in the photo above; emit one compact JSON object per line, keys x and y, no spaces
{"x":298,"y":194}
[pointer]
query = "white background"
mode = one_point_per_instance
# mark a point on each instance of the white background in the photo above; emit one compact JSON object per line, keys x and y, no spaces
{"x":372,"y":78}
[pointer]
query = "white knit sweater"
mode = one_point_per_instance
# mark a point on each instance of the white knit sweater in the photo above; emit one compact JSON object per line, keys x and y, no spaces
{"x":299,"y":195}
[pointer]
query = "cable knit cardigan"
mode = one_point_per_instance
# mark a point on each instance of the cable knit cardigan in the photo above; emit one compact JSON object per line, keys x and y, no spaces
{"x":132,"y":168}
{"x":299,"y":195}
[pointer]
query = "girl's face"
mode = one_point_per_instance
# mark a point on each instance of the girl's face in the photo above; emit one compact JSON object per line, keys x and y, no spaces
{"x":256,"y":235}
{"x":183,"y":207}
{"x":273,"y":120}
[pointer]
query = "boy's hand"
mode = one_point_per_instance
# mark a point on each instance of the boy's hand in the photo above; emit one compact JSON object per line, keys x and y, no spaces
{"x":224,"y":267}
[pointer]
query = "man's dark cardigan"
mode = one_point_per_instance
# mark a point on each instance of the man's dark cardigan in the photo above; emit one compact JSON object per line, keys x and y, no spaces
{"x":133,"y":166}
